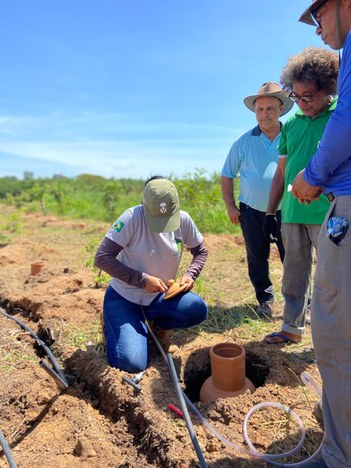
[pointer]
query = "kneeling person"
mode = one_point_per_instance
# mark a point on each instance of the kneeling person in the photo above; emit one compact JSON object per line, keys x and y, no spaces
{"x":149,"y":240}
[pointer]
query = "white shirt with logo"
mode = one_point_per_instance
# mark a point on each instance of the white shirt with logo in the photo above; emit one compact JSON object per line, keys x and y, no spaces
{"x":156,"y":254}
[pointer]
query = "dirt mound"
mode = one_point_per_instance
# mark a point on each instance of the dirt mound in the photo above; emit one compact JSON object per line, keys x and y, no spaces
{"x":100,"y":420}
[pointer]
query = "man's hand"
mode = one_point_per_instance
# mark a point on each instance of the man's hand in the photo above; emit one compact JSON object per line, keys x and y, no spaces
{"x":304,"y":191}
{"x":154,"y":284}
{"x":234,"y":215}
{"x":270,"y":228}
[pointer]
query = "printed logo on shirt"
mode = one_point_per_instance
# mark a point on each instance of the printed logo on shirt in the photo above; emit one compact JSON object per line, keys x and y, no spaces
{"x":118,"y":226}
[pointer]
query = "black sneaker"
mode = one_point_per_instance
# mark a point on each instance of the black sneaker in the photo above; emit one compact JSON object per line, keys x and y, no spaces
{"x":318,"y":412}
{"x":264,"y":309}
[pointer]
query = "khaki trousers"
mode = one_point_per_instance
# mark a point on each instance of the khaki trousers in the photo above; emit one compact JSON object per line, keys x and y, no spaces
{"x":331,"y":332}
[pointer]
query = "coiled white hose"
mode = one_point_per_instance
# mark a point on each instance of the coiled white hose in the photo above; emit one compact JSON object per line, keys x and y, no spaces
{"x":253,"y":452}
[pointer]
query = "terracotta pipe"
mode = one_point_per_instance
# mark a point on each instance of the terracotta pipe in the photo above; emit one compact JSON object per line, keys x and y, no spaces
{"x":36,"y":267}
{"x":228,"y":373}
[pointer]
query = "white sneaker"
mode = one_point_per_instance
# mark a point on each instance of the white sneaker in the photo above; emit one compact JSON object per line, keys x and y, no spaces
{"x":308,"y":316}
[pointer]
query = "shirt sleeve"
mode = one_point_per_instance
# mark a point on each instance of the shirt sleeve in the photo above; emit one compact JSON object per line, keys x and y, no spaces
{"x":335,"y":146}
{"x":194,"y":241}
{"x":106,"y":260}
{"x":122,"y":230}
{"x":199,"y":254}
{"x":232,"y":163}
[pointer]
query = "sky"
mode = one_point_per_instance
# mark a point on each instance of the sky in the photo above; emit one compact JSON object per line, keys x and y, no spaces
{"x":133,"y":88}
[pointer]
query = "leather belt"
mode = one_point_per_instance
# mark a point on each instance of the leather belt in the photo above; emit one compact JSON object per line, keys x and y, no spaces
{"x":330,"y":196}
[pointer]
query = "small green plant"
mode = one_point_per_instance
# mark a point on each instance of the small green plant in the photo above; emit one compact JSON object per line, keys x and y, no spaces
{"x":14,"y":223}
{"x":74,"y":336}
{"x":9,"y":361}
{"x":4,"y":240}
{"x":101,"y":279}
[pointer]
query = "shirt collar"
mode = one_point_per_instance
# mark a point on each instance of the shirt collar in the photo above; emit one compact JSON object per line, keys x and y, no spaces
{"x":330,"y":108}
{"x":257,"y":131}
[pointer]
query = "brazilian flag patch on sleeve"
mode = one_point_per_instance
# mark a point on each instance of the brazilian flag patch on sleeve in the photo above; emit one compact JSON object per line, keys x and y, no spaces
{"x":118,"y":226}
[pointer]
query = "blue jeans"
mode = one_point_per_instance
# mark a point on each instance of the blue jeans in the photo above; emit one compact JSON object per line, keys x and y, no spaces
{"x":258,"y":250}
{"x":126,"y":332}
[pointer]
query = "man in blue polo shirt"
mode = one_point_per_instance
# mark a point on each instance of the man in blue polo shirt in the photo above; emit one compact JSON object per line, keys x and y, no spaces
{"x":255,"y":156}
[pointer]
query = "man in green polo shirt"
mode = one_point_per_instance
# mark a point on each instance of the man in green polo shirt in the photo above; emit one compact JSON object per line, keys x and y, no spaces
{"x":311,"y":76}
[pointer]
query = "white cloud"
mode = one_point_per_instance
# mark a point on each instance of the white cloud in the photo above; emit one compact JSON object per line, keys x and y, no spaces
{"x":112,"y":145}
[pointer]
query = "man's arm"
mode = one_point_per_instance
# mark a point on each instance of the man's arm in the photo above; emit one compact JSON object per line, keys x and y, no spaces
{"x":233,"y":211}
{"x":277,"y":187}
{"x":270,"y":223}
{"x":334,"y":149}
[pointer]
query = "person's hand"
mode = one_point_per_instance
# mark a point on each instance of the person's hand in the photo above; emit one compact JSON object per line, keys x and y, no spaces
{"x":154,"y":284}
{"x":234,"y":215}
{"x":189,"y":282}
{"x":303,"y":191}
{"x":270,"y":228}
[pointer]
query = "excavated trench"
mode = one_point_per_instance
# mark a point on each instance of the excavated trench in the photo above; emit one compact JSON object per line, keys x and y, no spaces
{"x":100,"y":421}
{"x":139,"y":423}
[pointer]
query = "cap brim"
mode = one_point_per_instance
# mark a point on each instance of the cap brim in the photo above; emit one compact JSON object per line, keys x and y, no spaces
{"x":306,"y":16}
{"x":249,"y":101}
{"x":164,"y":223}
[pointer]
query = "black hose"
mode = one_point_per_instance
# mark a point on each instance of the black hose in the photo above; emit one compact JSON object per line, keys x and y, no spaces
{"x":188,"y":422}
{"x":132,"y":383}
{"x":7,"y":451}
{"x":169,"y":361}
{"x":60,"y":383}
{"x":41,"y":343}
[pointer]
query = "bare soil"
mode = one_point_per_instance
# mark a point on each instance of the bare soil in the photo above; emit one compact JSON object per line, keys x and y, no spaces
{"x":100,"y":421}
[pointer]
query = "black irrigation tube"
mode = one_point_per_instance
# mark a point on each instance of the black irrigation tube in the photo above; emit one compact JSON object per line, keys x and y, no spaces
{"x":170,"y":364}
{"x":7,"y":451}
{"x":58,"y":376}
{"x":187,"y":418}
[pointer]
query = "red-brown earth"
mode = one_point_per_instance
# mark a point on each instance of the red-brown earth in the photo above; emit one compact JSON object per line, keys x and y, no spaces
{"x":100,"y":421}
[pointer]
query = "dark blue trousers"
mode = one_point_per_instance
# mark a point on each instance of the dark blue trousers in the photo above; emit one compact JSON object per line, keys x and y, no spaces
{"x":258,"y":250}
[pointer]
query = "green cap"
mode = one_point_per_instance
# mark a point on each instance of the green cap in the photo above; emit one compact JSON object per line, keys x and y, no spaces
{"x":161,"y":206}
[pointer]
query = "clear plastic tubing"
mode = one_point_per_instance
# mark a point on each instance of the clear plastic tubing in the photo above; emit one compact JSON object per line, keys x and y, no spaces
{"x":309,"y":382}
{"x":267,"y":457}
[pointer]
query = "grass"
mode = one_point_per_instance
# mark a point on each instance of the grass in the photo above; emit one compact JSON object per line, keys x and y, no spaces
{"x":9,"y":361}
{"x":81,"y":338}
{"x":12,"y":353}
{"x":224,"y":285}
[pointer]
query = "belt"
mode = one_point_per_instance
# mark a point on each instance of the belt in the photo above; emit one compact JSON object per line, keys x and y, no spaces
{"x":330,"y":196}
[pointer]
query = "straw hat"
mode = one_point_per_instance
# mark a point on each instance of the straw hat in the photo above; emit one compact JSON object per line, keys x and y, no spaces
{"x":270,"y":89}
{"x":306,"y":16}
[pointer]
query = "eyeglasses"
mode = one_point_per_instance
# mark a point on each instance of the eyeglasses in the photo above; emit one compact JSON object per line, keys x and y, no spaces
{"x":305,"y":98}
{"x":314,"y":14}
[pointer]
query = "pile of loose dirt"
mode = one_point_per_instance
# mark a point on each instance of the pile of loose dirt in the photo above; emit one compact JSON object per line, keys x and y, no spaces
{"x":100,"y":421}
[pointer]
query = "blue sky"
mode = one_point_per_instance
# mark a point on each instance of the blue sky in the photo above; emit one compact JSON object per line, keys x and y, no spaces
{"x":130,"y":88}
